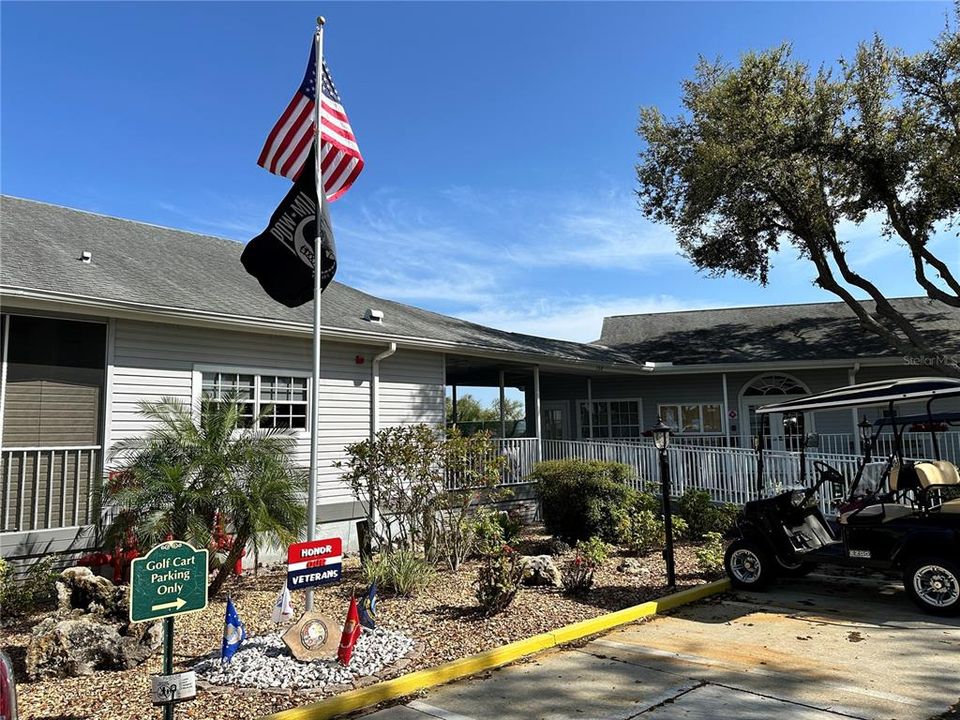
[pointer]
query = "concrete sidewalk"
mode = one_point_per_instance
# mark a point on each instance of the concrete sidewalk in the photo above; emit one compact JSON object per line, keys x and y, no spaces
{"x":812,"y":649}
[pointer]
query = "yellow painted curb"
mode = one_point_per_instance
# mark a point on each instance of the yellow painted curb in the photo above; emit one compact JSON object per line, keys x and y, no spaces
{"x":408,"y":684}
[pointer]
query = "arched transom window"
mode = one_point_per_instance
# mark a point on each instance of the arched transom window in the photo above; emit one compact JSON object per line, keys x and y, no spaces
{"x":774,"y":385}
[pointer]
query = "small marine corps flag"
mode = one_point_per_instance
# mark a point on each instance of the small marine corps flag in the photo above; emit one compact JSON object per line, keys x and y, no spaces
{"x":351,"y":631}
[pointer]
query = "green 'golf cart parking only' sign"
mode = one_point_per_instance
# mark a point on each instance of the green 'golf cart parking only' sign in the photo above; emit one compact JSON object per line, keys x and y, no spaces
{"x":169,"y":580}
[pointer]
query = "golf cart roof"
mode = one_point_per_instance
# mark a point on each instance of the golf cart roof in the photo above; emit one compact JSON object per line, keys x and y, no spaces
{"x":940,"y":417}
{"x":882,"y":392}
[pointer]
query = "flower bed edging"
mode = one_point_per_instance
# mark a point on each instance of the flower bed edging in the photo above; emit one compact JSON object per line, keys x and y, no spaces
{"x":361,"y":698}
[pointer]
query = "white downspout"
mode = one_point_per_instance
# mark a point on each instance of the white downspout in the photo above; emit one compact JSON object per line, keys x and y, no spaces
{"x":375,"y":425}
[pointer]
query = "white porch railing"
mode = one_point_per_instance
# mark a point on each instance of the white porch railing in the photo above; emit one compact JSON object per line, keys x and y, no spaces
{"x":729,"y":475}
{"x":48,"y":487}
{"x":917,"y":445}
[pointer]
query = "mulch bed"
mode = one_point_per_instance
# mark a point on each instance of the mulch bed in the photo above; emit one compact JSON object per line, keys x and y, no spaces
{"x":443,"y":620}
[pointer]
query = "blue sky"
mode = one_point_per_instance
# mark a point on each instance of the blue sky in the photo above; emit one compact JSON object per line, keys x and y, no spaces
{"x":499,"y":137}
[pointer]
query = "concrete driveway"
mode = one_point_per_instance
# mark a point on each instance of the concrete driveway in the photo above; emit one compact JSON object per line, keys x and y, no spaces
{"x":818,"y":648}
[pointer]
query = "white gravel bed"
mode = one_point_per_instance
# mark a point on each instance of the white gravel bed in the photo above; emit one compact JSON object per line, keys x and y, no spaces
{"x":265,"y":662}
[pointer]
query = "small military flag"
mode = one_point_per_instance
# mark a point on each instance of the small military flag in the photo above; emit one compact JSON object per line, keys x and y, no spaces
{"x":351,"y":631}
{"x":233,"y":633}
{"x":282,"y":608}
{"x":282,"y":257}
{"x":368,"y":608}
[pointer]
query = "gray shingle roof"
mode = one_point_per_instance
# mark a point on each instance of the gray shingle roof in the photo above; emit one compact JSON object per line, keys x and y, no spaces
{"x":138,"y":263}
{"x":815,"y":331}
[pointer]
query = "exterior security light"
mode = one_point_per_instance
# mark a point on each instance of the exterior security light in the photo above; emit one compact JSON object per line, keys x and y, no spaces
{"x":661,"y":434}
{"x":865,"y":428}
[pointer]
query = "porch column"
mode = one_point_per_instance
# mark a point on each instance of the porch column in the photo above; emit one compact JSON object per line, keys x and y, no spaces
{"x":852,"y":380}
{"x":726,"y":410}
{"x":536,"y":411}
{"x":454,"y":404}
{"x":589,"y":408}
{"x":503,"y":412}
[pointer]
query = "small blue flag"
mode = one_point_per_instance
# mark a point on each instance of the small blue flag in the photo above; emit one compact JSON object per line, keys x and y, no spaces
{"x":368,"y":608}
{"x":233,"y":633}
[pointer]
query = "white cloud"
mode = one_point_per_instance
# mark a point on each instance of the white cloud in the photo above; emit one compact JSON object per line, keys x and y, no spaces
{"x":485,"y":258}
{"x":579,"y":318}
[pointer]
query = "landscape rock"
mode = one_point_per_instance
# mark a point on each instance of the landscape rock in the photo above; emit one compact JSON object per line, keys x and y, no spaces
{"x":73,"y":647}
{"x":89,"y":631}
{"x":265,"y":662}
{"x":633,"y":566}
{"x":78,"y":588}
{"x":540,"y":570}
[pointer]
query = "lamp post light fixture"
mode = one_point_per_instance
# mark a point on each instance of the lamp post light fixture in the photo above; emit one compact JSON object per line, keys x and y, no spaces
{"x":866,"y":439}
{"x":661,"y":439}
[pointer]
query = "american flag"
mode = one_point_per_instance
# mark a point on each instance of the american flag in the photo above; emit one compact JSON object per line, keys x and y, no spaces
{"x":288,"y":144}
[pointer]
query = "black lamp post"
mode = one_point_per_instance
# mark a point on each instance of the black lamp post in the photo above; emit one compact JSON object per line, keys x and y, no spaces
{"x":661,"y":439}
{"x":866,"y":440}
{"x":757,"y":440}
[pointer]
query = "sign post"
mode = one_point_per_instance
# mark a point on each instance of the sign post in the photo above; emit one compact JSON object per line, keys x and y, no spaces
{"x":169,"y":580}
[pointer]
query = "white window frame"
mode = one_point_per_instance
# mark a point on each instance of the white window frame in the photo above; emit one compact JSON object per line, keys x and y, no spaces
{"x":196,"y":385}
{"x":699,"y":404}
{"x":581,"y":427}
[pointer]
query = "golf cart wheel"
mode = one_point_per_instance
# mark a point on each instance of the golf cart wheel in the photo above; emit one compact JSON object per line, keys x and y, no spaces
{"x":933,"y":584}
{"x":748,"y":565}
{"x":796,"y":569}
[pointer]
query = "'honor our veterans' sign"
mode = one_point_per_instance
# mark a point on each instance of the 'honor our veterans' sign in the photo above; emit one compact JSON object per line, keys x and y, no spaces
{"x":314,"y":563}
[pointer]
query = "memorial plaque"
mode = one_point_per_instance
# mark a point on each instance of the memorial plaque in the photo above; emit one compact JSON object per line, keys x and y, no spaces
{"x":313,"y":637}
{"x":173,"y":688}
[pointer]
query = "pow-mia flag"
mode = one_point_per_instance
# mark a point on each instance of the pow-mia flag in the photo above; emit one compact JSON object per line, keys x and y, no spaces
{"x":281,"y":258}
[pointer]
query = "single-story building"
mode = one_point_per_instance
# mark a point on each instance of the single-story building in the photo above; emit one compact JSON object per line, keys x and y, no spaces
{"x":706,"y":371}
{"x":100,"y":313}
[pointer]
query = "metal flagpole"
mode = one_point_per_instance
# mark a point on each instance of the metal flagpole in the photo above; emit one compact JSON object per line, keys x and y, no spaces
{"x":317,"y":264}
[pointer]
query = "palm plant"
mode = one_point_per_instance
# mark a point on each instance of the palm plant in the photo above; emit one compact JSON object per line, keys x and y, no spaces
{"x":195,"y":467}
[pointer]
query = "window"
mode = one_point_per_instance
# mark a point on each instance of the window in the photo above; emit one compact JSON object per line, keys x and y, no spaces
{"x":611,"y":419}
{"x":54,"y":384}
{"x":266,"y":401}
{"x":696,"y":418}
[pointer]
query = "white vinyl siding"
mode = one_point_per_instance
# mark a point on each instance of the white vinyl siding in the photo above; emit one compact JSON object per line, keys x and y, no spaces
{"x":154,"y":360}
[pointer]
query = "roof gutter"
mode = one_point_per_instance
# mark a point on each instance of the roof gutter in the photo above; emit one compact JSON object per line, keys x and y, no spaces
{"x":53,"y":301}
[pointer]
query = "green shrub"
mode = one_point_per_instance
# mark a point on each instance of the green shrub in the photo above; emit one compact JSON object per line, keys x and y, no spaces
{"x":511,"y":523}
{"x":488,"y":531}
{"x":703,"y":516}
{"x":710,"y":555}
{"x":400,"y":571}
{"x":498,"y":580}
{"x":581,"y":499}
{"x":642,"y":528}
{"x":578,"y":574}
{"x":34,"y":591}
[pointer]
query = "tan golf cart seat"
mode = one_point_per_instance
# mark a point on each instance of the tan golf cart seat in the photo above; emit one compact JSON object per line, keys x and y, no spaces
{"x":903,"y":480}
{"x":941,"y":473}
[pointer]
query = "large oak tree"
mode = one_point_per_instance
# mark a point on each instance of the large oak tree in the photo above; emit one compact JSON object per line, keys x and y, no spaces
{"x":770,"y":152}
